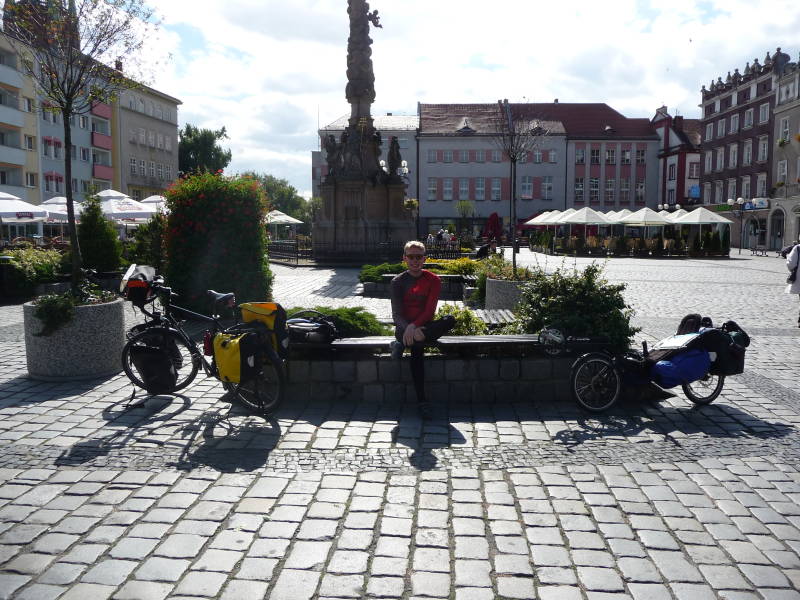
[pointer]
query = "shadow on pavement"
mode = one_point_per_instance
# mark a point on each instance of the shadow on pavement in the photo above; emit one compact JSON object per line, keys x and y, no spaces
{"x":433,"y":434}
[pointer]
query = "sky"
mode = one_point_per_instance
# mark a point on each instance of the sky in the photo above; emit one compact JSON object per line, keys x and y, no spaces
{"x":272,"y":71}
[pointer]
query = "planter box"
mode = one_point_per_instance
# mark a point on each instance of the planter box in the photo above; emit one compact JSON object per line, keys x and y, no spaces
{"x":88,"y":347}
{"x":502,"y":294}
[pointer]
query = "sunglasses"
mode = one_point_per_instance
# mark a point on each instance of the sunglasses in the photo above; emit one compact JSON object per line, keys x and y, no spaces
{"x":415,"y":256}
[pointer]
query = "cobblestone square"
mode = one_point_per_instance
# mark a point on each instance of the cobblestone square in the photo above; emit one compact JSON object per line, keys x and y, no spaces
{"x":356,"y":498}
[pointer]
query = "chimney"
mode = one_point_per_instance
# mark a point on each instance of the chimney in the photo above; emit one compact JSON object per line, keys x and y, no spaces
{"x":677,"y":122}
{"x":388,"y":114}
{"x":118,"y":65}
{"x":555,"y":101}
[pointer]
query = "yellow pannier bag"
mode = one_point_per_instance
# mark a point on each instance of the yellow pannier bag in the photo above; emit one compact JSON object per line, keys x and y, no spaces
{"x":273,"y":316}
{"x":237,"y":355}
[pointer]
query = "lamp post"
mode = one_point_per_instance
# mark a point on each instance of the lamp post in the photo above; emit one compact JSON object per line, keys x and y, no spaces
{"x":737,"y":206}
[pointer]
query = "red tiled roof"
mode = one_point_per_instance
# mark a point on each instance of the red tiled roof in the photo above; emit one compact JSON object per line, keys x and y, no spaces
{"x":692,"y":130}
{"x":589,"y":120}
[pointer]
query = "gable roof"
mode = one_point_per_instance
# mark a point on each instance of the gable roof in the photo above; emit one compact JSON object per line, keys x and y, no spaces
{"x":577,"y":120}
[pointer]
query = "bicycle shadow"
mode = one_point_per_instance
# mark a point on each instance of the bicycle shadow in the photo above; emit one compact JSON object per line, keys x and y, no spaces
{"x":423,"y":437}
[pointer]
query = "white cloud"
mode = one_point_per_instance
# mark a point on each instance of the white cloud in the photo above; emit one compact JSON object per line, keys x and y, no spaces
{"x":266,"y":68}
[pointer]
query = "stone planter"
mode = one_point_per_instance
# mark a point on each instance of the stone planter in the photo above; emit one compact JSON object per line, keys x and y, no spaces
{"x":502,"y":294}
{"x":87,"y":347}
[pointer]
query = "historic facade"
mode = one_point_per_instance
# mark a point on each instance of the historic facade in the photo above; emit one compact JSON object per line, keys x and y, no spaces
{"x":678,"y":158}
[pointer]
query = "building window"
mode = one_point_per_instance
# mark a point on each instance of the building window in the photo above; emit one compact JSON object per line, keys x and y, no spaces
{"x":717,"y":192}
{"x":152,"y":168}
{"x":73,"y":152}
{"x":497,"y":156}
{"x":447,"y":188}
{"x":168,"y":144}
{"x":709,"y":161}
{"x":553,"y":156}
{"x":578,"y":190}
{"x":85,"y":154}
{"x":625,"y":159}
{"x":580,"y":156}
{"x":463,"y":156}
{"x":747,"y":152}
{"x":624,"y":190}
{"x":547,"y":187}
{"x":480,"y":156}
{"x":763,"y":113}
{"x":639,"y":191}
{"x":707,"y":193}
{"x":85,"y":184}
{"x":746,"y":187}
{"x":526,"y":190}
{"x":709,"y":132}
{"x":784,"y":128}
{"x":496,"y":187}
{"x":160,"y":171}
{"x":56,"y":151}
{"x":137,"y":195}
{"x":30,"y":142}
{"x":480,"y":188}
{"x":74,"y":185}
{"x":732,"y":188}
{"x":720,"y":158}
{"x":168,"y":172}
{"x":670,"y":196}
{"x":151,"y":139}
{"x":733,"y":155}
{"x":671,"y":172}
{"x":694,"y":170}
{"x":160,"y":141}
{"x":28,"y":104}
{"x":431,"y":156}
{"x":133,"y":166}
{"x":611,"y":156}
{"x":47,"y":183}
{"x":761,"y":185}
{"x":763,"y":148}
{"x":720,"y":128}
{"x":523,"y":157}
{"x":463,"y":189}
{"x":610,"y":185}
{"x":783,"y":168}
{"x":537,"y":156}
{"x":594,"y":189}
{"x":433,"y":188}
{"x":594,"y":156}
{"x":447,"y":156}
{"x":142,"y":136}
{"x":640,"y":157}
{"x":46,"y":148}
{"x":84,"y":122}
{"x":734,"y":123}
{"x":30,"y":179}
{"x":748,"y":118}
{"x":142,"y":168}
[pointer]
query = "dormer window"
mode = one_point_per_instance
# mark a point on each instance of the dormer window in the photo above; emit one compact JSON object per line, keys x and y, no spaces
{"x":464,"y":127}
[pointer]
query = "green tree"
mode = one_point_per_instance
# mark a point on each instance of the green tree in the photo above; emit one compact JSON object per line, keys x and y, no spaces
{"x":198,"y":150}
{"x":148,"y":245}
{"x":281,"y":195}
{"x":66,"y":48}
{"x":98,"y":238}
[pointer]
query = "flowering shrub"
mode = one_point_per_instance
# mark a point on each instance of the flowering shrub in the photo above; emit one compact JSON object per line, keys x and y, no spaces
{"x":215,"y":239}
{"x":29,"y":266}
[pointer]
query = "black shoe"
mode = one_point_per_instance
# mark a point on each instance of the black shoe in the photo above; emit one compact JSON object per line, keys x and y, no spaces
{"x":396,"y":348}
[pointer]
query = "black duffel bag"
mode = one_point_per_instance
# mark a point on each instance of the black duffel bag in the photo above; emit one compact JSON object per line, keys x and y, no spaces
{"x":311,"y":327}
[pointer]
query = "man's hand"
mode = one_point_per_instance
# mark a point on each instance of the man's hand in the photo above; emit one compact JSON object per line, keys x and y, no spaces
{"x":419,"y":334}
{"x":408,"y":335}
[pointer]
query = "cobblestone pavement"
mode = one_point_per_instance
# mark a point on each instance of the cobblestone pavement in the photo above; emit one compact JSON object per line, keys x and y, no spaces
{"x":190,"y":498}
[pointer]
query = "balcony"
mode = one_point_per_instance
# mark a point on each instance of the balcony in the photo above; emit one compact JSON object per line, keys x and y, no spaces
{"x":15,"y":190}
{"x":101,"y":140}
{"x":102,"y":172}
{"x":101,"y":109}
{"x":10,"y":76}
{"x":13,"y":155}
{"x":11,"y":116}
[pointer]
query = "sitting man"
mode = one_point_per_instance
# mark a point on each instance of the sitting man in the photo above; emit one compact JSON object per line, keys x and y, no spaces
{"x":487,"y":249}
{"x":415,"y":294}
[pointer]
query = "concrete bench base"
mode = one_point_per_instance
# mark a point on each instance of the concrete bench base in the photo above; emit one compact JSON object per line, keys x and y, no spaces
{"x":380,"y":379}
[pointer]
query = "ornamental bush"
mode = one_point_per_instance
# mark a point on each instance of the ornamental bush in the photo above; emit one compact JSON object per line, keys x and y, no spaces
{"x":101,"y":249}
{"x":148,"y":242}
{"x":215,"y":239}
{"x":467,"y":322}
{"x":28,"y":267}
{"x":350,"y":321}
{"x":580,"y":303}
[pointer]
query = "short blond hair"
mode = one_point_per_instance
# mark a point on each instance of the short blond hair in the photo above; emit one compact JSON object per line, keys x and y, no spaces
{"x":413,"y":244}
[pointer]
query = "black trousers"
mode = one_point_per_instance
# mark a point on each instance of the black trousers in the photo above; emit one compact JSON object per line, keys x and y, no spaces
{"x":433,"y":331}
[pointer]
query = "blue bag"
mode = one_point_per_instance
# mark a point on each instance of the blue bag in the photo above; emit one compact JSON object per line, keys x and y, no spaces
{"x":684,"y":367}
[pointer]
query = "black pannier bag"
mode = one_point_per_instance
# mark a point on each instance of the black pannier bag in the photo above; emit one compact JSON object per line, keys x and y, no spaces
{"x":311,"y":328}
{"x":136,"y":284}
{"x":155,"y":367}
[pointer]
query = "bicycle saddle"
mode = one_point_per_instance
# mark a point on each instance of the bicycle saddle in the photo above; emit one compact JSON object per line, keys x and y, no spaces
{"x":221,"y":298}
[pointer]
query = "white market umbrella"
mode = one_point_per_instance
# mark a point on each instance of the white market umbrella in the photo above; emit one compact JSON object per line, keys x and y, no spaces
{"x":542,"y":218}
{"x":584,"y":216}
{"x":624,"y":213}
{"x":154,"y":200}
{"x":125,"y":208}
{"x":645,"y":217}
{"x":12,"y":208}
{"x":58,"y":212}
{"x":701,"y":216}
{"x":111,"y":195}
{"x":678,"y":213}
{"x":276,"y":217}
{"x":664,"y":213}
{"x":56,"y":200}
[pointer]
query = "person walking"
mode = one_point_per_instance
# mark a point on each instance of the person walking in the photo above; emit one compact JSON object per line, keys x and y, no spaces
{"x":415,"y":294}
{"x":792,"y":261}
{"x":487,"y":249}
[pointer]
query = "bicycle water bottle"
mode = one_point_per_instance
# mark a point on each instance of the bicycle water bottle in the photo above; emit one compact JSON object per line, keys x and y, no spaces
{"x":208,"y":343}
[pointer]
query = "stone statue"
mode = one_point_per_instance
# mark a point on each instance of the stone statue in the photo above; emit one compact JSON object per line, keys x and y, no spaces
{"x":394,"y":159}
{"x":333,"y":155}
{"x":360,"y":90}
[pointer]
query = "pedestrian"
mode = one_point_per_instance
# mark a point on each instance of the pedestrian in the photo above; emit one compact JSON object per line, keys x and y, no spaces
{"x":415,"y":293}
{"x":487,"y":249}
{"x":793,"y":281}
{"x":431,"y":239}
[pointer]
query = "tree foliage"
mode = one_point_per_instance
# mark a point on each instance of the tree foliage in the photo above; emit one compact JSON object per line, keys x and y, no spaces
{"x":66,"y":48}
{"x":215,"y":239}
{"x":148,"y":244}
{"x":199,"y":150}
{"x":98,"y":238}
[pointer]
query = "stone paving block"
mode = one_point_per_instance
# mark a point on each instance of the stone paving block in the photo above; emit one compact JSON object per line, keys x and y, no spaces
{"x":559,"y":592}
{"x":9,"y":583}
{"x":40,"y":591}
{"x":293,"y":585}
{"x":675,"y":567}
{"x":689,"y":591}
{"x":308,"y":555}
{"x":218,"y":560}
{"x":515,"y":587}
{"x":342,"y":586}
{"x":29,"y":564}
{"x":724,"y":577}
{"x":201,"y":583}
{"x":436,"y":585}
{"x":162,"y":569}
{"x":473,"y":573}
{"x":181,"y":546}
{"x":649,"y":591}
{"x":257,"y":568}
{"x":61,"y":573}
{"x":109,"y":572}
{"x":54,"y":543}
{"x":764,"y":576}
{"x":600,"y":579}
{"x":556,"y":576}
{"x":132,"y":548}
{"x":385,"y":587}
{"x":82,"y":591}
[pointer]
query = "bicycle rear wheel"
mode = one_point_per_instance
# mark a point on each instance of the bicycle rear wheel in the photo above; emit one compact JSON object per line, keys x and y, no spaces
{"x":595,"y":382}
{"x":705,"y":390}
{"x":263,"y":394}
{"x":186,"y":362}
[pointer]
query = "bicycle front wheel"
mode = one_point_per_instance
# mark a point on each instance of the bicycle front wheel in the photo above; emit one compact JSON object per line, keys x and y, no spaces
{"x":186,"y":362}
{"x":264,"y":393}
{"x":595,"y":382}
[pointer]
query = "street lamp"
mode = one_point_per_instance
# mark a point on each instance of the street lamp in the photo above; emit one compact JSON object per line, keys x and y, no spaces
{"x":737,"y":206}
